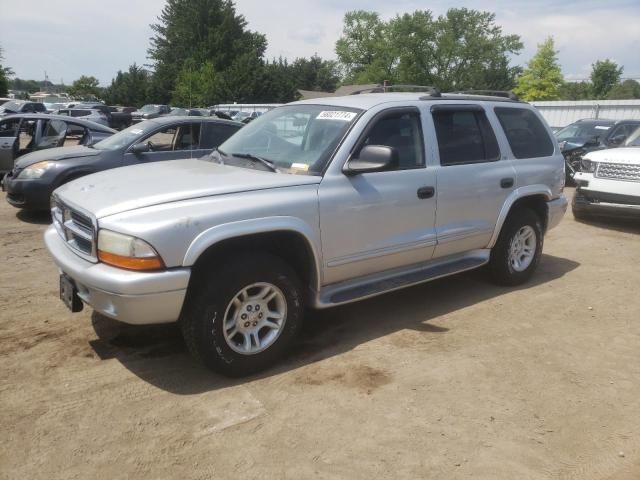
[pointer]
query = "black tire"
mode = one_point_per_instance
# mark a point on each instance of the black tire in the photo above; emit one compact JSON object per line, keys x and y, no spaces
{"x":203,"y":316}
{"x":500,"y":267}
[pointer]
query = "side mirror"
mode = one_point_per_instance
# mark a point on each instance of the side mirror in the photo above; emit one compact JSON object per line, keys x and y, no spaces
{"x":616,"y":140}
{"x":595,"y":140}
{"x":139,"y":148}
{"x":372,"y":158}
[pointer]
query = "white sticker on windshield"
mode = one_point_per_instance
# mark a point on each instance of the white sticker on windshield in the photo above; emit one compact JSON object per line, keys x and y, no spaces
{"x":602,"y":127}
{"x":300,"y":166}
{"x":336,"y":115}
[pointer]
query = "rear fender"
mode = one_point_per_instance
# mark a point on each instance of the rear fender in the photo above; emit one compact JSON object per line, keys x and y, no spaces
{"x":517,"y":194}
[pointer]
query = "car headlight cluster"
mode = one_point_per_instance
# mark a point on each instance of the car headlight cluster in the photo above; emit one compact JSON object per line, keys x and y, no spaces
{"x":128,"y":252}
{"x":35,"y":171}
{"x":588,"y":166}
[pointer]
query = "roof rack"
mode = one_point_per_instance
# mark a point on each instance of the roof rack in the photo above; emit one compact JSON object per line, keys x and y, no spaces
{"x":495,"y":93}
{"x":432,"y":91}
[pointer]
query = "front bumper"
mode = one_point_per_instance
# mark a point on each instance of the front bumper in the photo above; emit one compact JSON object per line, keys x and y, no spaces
{"x":606,"y":197}
{"x":605,"y":204}
{"x":138,"y":298}
{"x":27,"y":194}
{"x":556,"y":210}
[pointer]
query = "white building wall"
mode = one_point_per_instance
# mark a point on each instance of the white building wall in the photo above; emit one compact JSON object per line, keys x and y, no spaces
{"x":564,"y":112}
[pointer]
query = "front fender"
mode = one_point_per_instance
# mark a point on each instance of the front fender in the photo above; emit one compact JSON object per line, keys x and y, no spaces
{"x":517,"y":194}
{"x":225,"y":231}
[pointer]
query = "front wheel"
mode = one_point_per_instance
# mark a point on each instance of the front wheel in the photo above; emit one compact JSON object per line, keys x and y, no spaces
{"x":516,"y":254}
{"x":245,"y":316}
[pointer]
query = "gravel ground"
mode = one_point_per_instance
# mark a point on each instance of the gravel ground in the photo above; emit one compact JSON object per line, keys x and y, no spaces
{"x":453,"y":379}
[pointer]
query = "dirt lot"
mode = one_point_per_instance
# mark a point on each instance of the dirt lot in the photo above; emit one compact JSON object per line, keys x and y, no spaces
{"x":453,"y":379}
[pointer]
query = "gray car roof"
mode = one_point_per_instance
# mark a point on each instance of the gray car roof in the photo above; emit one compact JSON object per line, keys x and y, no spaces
{"x":77,"y":120}
{"x":365,"y":101}
{"x":168,"y":119}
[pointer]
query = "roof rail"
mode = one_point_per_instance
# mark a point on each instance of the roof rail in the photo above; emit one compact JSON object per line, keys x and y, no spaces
{"x":432,"y":91}
{"x":494,"y":93}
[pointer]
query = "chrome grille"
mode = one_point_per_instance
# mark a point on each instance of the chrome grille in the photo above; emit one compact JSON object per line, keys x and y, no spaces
{"x":618,"y":171}
{"x":77,"y":229}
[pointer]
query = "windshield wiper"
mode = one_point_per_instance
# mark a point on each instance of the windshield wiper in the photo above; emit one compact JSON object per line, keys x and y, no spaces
{"x":267,"y":163}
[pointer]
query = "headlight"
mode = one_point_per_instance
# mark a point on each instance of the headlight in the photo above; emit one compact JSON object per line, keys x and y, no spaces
{"x":588,"y":166}
{"x":36,"y":170}
{"x":125,"y":251}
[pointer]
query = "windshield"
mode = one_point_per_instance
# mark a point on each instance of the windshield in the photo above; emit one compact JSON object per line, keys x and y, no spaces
{"x":11,"y":107}
{"x":150,"y":109}
{"x":634,"y":139}
{"x":583,"y":130}
{"x":124,"y":138}
{"x":295,"y":138}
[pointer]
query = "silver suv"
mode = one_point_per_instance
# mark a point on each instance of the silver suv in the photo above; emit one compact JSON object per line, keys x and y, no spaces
{"x":314,"y":204}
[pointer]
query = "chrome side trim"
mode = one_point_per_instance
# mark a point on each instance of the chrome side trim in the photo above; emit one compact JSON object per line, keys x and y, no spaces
{"x":358,"y":257}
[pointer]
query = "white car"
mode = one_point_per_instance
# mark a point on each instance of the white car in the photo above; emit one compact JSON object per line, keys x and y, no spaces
{"x":609,"y":183}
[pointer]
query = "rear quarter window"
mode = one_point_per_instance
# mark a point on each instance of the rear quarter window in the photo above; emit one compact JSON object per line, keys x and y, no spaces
{"x":216,"y":134}
{"x":525,"y":133}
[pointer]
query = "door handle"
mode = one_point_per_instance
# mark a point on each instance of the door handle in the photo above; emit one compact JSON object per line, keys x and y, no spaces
{"x":506,"y":182}
{"x":426,"y":192}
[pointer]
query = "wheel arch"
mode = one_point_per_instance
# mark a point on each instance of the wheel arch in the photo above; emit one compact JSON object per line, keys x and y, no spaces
{"x":534,"y":197}
{"x":286,"y":237}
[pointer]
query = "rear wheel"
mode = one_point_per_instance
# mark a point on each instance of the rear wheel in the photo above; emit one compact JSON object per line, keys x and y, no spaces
{"x":243,"y":316}
{"x":516,"y":254}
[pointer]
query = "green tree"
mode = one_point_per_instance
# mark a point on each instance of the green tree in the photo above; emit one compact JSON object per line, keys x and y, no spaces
{"x":315,"y":73}
{"x":5,"y":73}
{"x":605,"y":74}
{"x":575,"y":91}
{"x":128,"y":88}
{"x":30,"y":86}
{"x":197,"y":85}
{"x":202,"y":31}
{"x":279,"y":82}
{"x":86,"y":87}
{"x":627,"y":90}
{"x":462,"y":49}
{"x":363,"y":50}
{"x":542,"y":78}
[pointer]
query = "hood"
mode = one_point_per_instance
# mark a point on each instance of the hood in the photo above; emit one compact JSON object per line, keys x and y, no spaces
{"x":55,"y":154}
{"x":625,"y":155}
{"x":128,"y":188}
{"x":569,"y":144}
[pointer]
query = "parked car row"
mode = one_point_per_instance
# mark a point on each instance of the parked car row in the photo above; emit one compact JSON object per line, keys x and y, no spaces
{"x":588,"y":135}
{"x":22,"y":134}
{"x":602,"y":159}
{"x":32,"y":179}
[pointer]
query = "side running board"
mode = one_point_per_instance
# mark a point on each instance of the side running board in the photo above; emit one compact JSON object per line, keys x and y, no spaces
{"x":377,"y":285}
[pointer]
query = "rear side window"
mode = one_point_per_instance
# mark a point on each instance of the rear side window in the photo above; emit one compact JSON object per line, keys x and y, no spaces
{"x":216,"y":134}
{"x":526,"y":135}
{"x":464,"y":136}
{"x":39,"y":107}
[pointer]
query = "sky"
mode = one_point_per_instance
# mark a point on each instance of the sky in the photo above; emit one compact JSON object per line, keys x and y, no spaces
{"x":69,"y":38}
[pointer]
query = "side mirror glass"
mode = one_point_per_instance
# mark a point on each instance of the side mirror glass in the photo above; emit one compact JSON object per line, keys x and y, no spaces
{"x":595,"y":140}
{"x":139,"y":148}
{"x":372,"y":158}
{"x":616,"y":140}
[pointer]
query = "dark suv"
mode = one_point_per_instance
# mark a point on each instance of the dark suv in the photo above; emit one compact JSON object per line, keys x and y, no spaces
{"x":591,"y":134}
{"x":22,"y":106}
